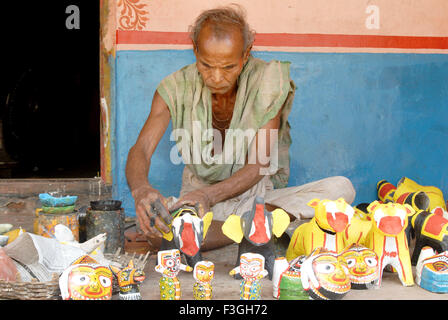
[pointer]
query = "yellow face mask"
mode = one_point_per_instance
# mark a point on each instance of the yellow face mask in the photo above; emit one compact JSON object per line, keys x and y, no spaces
{"x":331,"y":274}
{"x":324,"y":277}
{"x":89,"y":282}
{"x":204,"y":271}
{"x":362,"y":265}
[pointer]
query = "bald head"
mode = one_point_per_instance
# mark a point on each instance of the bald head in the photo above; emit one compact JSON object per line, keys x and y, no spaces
{"x":222,"y":24}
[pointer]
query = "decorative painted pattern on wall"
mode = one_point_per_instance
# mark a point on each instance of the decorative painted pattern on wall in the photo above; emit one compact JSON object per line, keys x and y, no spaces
{"x":297,"y":25}
{"x":131,"y":15}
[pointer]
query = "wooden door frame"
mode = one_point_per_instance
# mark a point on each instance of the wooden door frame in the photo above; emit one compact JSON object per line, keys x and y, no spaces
{"x":107,"y":84}
{"x":22,"y":188}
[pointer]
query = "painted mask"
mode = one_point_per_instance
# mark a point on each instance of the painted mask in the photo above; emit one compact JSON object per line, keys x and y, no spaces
{"x":324,"y":277}
{"x":390,"y":218}
{"x":362,"y":265}
{"x":130,"y":275}
{"x":251,"y":266}
{"x":188,"y":231}
{"x":332,"y":215}
{"x":291,"y":284}
{"x":432,"y":271}
{"x":86,"y":282}
{"x":204,"y":271}
{"x":257,"y":223}
{"x":295,"y":265}
{"x":170,"y":261}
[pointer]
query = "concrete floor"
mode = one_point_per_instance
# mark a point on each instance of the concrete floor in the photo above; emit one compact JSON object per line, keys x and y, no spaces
{"x":20,"y":212}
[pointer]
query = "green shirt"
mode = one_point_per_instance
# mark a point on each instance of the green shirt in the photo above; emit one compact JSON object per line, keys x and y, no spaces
{"x":263,"y":88}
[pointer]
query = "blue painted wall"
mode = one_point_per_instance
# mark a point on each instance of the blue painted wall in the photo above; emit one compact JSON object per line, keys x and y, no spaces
{"x":362,"y":115}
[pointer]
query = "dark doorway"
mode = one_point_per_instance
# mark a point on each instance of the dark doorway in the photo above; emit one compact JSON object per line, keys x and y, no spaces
{"x":49,"y":99}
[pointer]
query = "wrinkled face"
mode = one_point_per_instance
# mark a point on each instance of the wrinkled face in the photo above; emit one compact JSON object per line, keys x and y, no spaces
{"x":332,"y":277}
{"x":220,"y":60}
{"x":362,"y":264}
{"x":170,"y":260}
{"x":334,"y":215}
{"x":204,"y":271}
{"x":90,"y":283}
{"x":251,"y":265}
{"x":390,"y":218}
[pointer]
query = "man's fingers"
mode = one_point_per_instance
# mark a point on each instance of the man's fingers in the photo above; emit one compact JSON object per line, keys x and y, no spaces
{"x":161,"y":225}
{"x":142,"y":219}
{"x":155,"y":231}
{"x":181,"y":203}
{"x":176,"y":206}
{"x":155,"y":220}
{"x":145,"y":216}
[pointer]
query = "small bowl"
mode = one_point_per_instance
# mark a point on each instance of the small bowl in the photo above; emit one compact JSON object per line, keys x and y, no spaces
{"x":105,"y":205}
{"x":54,"y":199}
{"x":3,"y":240}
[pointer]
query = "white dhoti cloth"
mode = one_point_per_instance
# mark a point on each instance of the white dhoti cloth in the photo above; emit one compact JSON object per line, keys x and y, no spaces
{"x":291,"y":199}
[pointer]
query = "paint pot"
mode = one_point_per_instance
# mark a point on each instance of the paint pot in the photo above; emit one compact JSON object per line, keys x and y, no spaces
{"x":105,"y":205}
{"x":104,"y":220}
{"x":47,"y":221}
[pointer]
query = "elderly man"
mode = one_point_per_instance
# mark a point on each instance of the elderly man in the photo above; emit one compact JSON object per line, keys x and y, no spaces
{"x":233,"y":94}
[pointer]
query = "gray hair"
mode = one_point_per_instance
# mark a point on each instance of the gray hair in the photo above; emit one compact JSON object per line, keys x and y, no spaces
{"x":220,"y":19}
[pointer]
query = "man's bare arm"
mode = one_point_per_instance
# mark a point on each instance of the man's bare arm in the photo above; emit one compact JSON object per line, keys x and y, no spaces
{"x":139,"y":162}
{"x":139,"y":157}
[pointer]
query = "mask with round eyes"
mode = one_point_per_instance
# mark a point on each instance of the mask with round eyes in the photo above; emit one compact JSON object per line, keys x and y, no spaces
{"x":204,"y":271}
{"x":170,"y":260}
{"x":362,"y":265}
{"x":324,"y":277}
{"x":251,"y":265}
{"x":86,"y":282}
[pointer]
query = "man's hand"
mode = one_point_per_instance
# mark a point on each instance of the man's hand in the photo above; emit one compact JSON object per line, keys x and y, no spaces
{"x":145,"y":198}
{"x":197,"y":198}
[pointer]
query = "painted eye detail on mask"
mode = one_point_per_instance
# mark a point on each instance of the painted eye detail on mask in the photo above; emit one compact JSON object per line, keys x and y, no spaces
{"x":371,"y":262}
{"x":351,"y":262}
{"x":106,"y":282}
{"x":254,"y":269}
{"x":211,"y":273}
{"x":81,"y":280}
{"x":325,"y":268}
{"x":170,"y":263}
